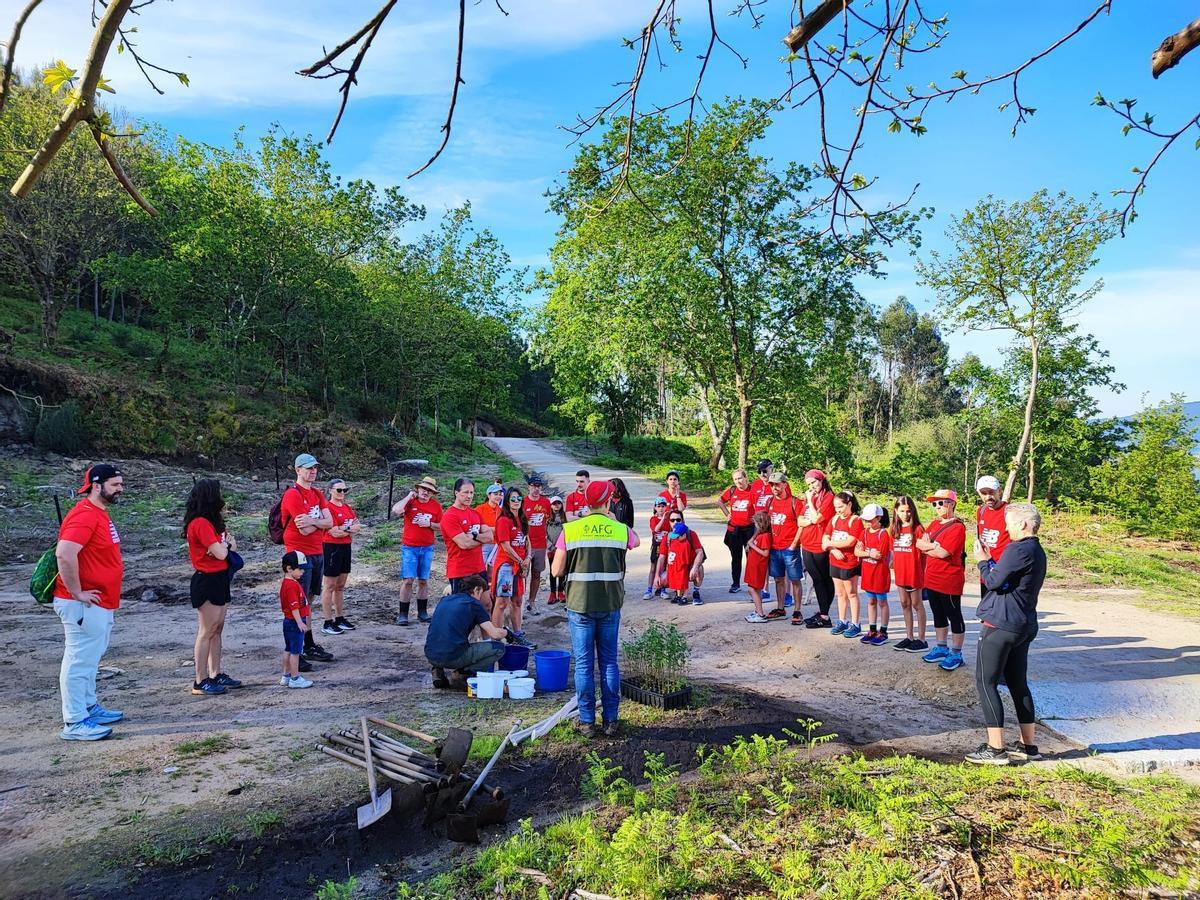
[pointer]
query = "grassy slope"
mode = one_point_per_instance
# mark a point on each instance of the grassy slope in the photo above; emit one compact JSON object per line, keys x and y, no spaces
{"x":764,"y":821}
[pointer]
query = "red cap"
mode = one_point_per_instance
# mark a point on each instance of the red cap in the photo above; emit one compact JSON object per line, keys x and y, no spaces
{"x":598,"y":492}
{"x":815,"y":473}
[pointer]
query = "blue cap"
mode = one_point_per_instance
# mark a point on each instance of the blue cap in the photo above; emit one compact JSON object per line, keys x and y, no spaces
{"x":305,"y":461}
{"x":496,"y":488}
{"x":679,"y":529}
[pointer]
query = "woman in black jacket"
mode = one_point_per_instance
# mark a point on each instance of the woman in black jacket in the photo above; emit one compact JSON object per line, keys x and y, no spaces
{"x":1008,"y":616}
{"x":621,"y":505}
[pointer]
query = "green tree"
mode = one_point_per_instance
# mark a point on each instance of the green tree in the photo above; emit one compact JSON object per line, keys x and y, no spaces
{"x":1018,"y":267}
{"x":913,"y":360}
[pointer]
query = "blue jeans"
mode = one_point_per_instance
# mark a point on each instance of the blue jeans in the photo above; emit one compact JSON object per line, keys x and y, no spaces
{"x":787,"y":564}
{"x":595,"y":635}
{"x":415,"y":562}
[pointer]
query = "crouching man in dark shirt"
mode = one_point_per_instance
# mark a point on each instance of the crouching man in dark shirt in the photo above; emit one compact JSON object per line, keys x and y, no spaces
{"x":447,"y":645}
{"x":1008,"y":616}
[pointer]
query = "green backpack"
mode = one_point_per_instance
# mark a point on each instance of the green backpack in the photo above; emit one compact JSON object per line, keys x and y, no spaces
{"x":41,"y":585}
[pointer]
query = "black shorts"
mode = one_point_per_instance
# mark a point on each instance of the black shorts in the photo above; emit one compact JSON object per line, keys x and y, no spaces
{"x":457,"y":584}
{"x":844,"y":574}
{"x":210,"y":587}
{"x":337,"y":560}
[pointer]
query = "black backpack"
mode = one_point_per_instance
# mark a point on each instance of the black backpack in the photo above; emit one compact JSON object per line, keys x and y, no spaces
{"x":275,"y":523}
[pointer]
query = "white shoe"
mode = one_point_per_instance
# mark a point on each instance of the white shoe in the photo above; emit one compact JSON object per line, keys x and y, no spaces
{"x":85,"y":730}
{"x":285,"y":681}
{"x":299,"y":682}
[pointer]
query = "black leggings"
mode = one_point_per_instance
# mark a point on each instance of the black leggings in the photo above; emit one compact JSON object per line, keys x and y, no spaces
{"x":947,"y":610}
{"x":817,"y":567}
{"x":1004,"y":655}
{"x":736,"y":539}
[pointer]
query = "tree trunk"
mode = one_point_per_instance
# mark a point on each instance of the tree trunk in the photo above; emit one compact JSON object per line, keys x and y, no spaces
{"x":49,"y":316}
{"x":716,"y":459}
{"x":96,"y":299}
{"x":967,"y":460}
{"x":160,"y":364}
{"x":1027,"y":430}
{"x":1029,"y":492}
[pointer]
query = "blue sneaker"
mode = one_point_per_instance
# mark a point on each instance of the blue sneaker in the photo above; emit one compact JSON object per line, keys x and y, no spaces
{"x":787,"y":599}
{"x":696,"y":595}
{"x":766,"y":594}
{"x":853,"y":631}
{"x":85,"y":730}
{"x":937,"y":654}
{"x":952,"y":661}
{"x":838,"y":627}
{"x":102,"y":716}
{"x":880,"y":639}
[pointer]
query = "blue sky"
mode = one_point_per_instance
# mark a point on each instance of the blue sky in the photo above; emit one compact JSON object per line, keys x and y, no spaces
{"x":530,"y":72}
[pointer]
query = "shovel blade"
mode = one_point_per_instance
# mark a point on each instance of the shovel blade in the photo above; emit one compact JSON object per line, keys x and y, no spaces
{"x":455,"y":749}
{"x":370,"y":813}
{"x":463,"y":828}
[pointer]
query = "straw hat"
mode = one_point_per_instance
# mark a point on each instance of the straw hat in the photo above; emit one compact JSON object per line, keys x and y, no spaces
{"x":428,"y":483}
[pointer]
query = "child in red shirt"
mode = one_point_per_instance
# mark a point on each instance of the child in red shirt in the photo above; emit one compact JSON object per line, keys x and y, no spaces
{"x":841,"y":537}
{"x":908,"y":563}
{"x":680,"y":560}
{"x":658,"y":530}
{"x":758,"y":554}
{"x":294,"y":604}
{"x":874,"y":550}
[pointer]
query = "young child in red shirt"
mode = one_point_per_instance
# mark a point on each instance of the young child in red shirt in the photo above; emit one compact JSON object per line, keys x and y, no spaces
{"x":758,"y":554}
{"x":874,"y":549}
{"x":294,"y":604}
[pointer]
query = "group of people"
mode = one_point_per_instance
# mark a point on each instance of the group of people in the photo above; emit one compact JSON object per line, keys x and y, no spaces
{"x":497,"y":553}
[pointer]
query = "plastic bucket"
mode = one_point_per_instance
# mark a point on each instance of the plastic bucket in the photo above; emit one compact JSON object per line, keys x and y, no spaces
{"x":514,"y":658}
{"x":489,"y":686}
{"x":520,"y":688}
{"x":552,"y":667}
{"x":472,"y":686}
{"x":510,"y":674}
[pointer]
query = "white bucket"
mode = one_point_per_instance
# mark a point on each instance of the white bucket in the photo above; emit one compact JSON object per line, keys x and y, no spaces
{"x":520,"y":688}
{"x":489,"y":685}
{"x":512,"y":673}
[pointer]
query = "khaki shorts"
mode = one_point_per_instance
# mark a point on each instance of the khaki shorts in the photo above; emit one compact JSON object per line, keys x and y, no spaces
{"x":537,"y":560}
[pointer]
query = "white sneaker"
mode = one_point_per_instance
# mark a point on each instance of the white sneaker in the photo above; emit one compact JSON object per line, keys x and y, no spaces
{"x":285,"y":681}
{"x":299,"y":682}
{"x":85,"y":730}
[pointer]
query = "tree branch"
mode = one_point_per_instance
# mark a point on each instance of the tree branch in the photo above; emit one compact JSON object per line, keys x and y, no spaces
{"x":458,"y":79}
{"x":812,"y":24}
{"x":1174,"y":48}
{"x":115,"y":165}
{"x":12,"y":49}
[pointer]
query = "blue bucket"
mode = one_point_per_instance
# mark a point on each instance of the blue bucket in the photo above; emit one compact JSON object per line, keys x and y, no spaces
{"x":552,"y":667}
{"x":514,"y":658}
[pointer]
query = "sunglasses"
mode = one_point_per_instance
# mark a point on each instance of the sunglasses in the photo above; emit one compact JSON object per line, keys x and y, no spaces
{"x":675,"y":521}
{"x":514,"y":500}
{"x":942,"y":502}
{"x":340,"y":490}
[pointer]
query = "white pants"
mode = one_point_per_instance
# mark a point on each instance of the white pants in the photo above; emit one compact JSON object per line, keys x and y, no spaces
{"x":88,"y":629}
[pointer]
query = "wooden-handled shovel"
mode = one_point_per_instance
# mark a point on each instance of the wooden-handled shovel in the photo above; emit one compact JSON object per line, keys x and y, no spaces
{"x":380,"y":805}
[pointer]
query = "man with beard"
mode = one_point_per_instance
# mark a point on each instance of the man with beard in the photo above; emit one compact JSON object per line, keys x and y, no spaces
{"x":86,"y":593}
{"x":306,"y":518}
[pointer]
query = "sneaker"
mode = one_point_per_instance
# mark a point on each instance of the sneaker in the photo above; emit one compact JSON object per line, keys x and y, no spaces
{"x":915,"y":646}
{"x":816,"y":620}
{"x":696,"y":595}
{"x":696,"y":599}
{"x":610,"y":729}
{"x":520,"y":641}
{"x":775,"y":613}
{"x":532,"y":610}
{"x":226,"y":682}
{"x":869,"y":637}
{"x":952,"y":661}
{"x":880,"y":639}
{"x":787,"y":599}
{"x":331,"y":627}
{"x":649,"y":595}
{"x":852,"y":631}
{"x":735,"y":588}
{"x":766,"y":594}
{"x":85,"y":730}
{"x":1023,"y":752}
{"x":839,"y":628}
{"x":102,"y":716}
{"x":207,"y":687}
{"x":987,"y":755}
{"x":305,"y":665}
{"x":317,"y":653}
{"x":755,"y":619}
{"x":587,"y":729}
{"x":345,"y":624}
{"x":902,"y":644}
{"x":284,"y":680}
{"x":299,"y":682}
{"x":937,"y":654}
{"x":424,"y":618}
{"x":661,"y":592}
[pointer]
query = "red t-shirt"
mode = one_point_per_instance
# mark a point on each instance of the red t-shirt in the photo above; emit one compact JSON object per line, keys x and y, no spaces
{"x":784,"y":526}
{"x":907,"y":560}
{"x":459,"y":562}
{"x":342,"y":516}
{"x":876,"y":576}
{"x":200,"y":536}
{"x":841,"y":528}
{"x":414,"y":534}
{"x":946,"y":576}
{"x":300,"y":501}
{"x":292,"y":598}
{"x":507,"y":530}
{"x":810,"y":535}
{"x":762,"y":495}
{"x":678,"y":502}
{"x":100,"y":565}
{"x":537,"y":513}
{"x":756,"y":563}
{"x":659,"y":526}
{"x":488,"y":514}
{"x":741,"y":505}
{"x":680,"y":553}
{"x":576,"y":500}
{"x":989,"y":527}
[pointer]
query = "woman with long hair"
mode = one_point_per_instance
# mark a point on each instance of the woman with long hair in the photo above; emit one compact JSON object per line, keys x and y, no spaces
{"x":209,"y":545}
{"x":818,"y":511}
{"x":554,"y":527}
{"x":842,"y":535}
{"x":621,"y":505}
{"x":337,"y":560}
{"x":908,"y":566}
{"x":510,"y":569}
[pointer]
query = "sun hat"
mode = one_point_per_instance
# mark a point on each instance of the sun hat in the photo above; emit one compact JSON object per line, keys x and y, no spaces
{"x":495,"y":488}
{"x":97,"y":474}
{"x":990,"y":482}
{"x":598,"y":492}
{"x":428,"y":483}
{"x":872,"y":511}
{"x":306,"y":461}
{"x":942,"y":494}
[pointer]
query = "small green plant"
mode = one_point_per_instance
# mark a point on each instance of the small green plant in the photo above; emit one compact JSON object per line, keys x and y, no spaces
{"x":217,"y":743}
{"x":62,"y":430}
{"x":657,"y":658}
{"x":262,"y":822}
{"x":603,"y":781}
{"x":810,"y":738}
{"x":337,"y":890}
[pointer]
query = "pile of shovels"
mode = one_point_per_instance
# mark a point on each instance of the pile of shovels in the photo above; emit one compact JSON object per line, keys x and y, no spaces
{"x":433,"y":781}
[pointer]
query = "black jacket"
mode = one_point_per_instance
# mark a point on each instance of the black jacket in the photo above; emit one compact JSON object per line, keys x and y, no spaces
{"x":1011,"y":586}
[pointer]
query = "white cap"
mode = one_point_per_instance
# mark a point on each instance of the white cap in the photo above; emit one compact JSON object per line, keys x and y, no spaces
{"x":991,"y":482}
{"x":496,"y":488}
{"x":872,"y":511}
{"x":556,"y":499}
